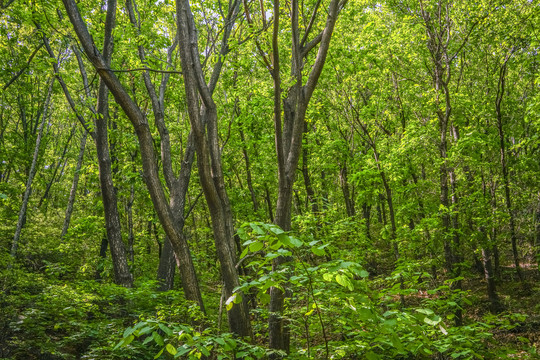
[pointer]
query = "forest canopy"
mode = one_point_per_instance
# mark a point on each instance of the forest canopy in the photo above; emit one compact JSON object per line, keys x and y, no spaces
{"x":337,"y":179}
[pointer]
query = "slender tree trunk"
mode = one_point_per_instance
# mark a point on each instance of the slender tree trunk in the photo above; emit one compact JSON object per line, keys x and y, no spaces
{"x":504,"y":166}
{"x":31,"y":173}
{"x":438,"y":27}
{"x":122,"y":274}
{"x":62,"y":159}
{"x":131,"y":235}
{"x":167,"y":266}
{"x":288,"y":135}
{"x":248,"y":173}
{"x":268,"y":202}
{"x":74,"y":185}
{"x":102,"y":256}
{"x":203,"y":121}
{"x":348,"y":199}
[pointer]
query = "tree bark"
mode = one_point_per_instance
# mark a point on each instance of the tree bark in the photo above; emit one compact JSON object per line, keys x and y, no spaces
{"x":122,"y":275}
{"x":203,"y":119}
{"x":31,"y":173}
{"x":504,"y":165}
{"x":146,"y":147}
{"x":288,"y":135}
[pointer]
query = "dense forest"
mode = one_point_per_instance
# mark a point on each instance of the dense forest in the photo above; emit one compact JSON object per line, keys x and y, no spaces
{"x":299,"y":179}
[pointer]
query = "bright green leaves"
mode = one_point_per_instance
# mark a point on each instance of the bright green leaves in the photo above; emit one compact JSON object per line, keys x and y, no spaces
{"x":185,"y":342}
{"x":431,"y":318}
{"x":257,"y":235}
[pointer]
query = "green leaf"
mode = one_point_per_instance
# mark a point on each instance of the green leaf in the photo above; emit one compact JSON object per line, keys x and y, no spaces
{"x":344,"y":281}
{"x":434,"y":321}
{"x":256,"y":228}
{"x":165,"y":329}
{"x":158,"y":339}
{"x":128,"y":331}
{"x":256,"y":246}
{"x":159,"y":354}
{"x":285,"y":239}
{"x":318,"y":250}
{"x":425,"y":311}
{"x":295,"y":242}
{"x":128,"y":340}
{"x":171,"y":349}
{"x":144,"y":330}
{"x":182,"y":351}
{"x":372,"y":356}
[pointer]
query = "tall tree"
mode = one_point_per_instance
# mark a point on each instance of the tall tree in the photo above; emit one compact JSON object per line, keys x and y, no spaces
{"x":289,"y":128}
{"x":203,"y":118}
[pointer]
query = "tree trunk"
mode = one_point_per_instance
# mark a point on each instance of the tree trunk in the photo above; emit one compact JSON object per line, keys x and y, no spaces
{"x":31,"y":174}
{"x":122,"y":274}
{"x":146,"y":147}
{"x":74,"y":185}
{"x":203,"y":119}
{"x":288,"y":135}
{"x":344,"y":182}
{"x":504,"y":166}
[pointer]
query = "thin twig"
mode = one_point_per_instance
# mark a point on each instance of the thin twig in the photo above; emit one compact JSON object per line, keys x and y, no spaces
{"x":144,"y":69}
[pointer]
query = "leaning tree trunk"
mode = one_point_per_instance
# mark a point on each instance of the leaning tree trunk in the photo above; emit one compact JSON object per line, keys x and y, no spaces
{"x":146,"y":147}
{"x":31,"y":174}
{"x":74,"y":185}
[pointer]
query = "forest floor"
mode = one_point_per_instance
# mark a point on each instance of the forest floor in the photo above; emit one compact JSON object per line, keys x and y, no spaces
{"x":520,"y":300}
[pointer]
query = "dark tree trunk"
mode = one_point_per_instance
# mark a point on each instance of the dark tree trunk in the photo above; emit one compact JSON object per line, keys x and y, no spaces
{"x":288,"y":134}
{"x":348,"y":198}
{"x":146,"y":147}
{"x":102,"y":256}
{"x":122,"y":274}
{"x":504,"y":166}
{"x":203,"y":119}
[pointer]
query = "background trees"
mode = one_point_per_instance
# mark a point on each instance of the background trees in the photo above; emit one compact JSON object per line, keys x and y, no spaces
{"x":394,"y":147}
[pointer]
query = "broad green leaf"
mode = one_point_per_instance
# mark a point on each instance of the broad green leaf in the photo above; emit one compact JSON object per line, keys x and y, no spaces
{"x":256,"y":246}
{"x":165,"y":329}
{"x":171,"y":349}
{"x":158,"y":339}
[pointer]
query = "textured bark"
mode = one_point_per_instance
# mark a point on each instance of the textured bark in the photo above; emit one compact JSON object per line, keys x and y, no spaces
{"x":74,"y":185}
{"x":203,"y":119}
{"x":177,"y":184}
{"x":347,"y":196}
{"x":504,"y":166}
{"x":122,"y":275}
{"x":289,"y":131}
{"x":146,"y":147}
{"x":31,"y":173}
{"x":167,"y":266}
